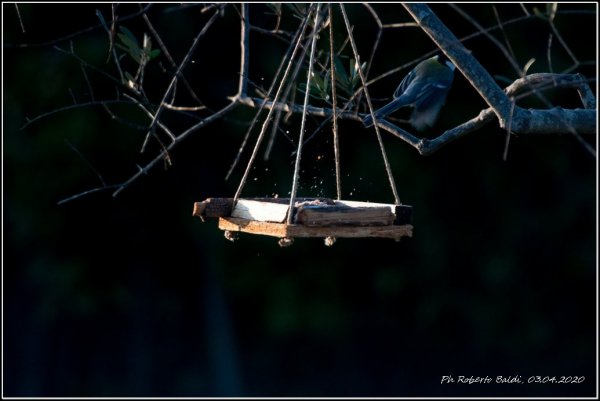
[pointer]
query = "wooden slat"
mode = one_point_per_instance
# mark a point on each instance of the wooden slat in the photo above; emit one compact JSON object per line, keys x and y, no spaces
{"x":344,"y":215}
{"x":213,"y":207}
{"x":282,"y":230}
{"x":222,"y":207}
{"x":314,"y":217}
{"x":403,"y":213}
{"x":260,"y":211}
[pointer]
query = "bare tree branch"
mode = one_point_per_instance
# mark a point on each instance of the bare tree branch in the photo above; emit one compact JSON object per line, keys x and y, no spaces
{"x":178,"y":140}
{"x":555,"y":120}
{"x":521,"y":121}
{"x":177,"y":73}
{"x":275,"y":101}
{"x":279,"y":99}
{"x":245,"y":49}
{"x":78,"y":33}
{"x":581,"y":120}
{"x":474,"y":72}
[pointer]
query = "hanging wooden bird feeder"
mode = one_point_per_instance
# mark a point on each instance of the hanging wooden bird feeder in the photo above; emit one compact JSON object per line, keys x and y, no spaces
{"x":311,"y":217}
{"x":295,"y":217}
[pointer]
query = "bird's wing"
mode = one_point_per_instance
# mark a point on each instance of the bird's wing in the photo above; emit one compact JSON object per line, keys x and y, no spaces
{"x":425,"y":92}
{"x":406,"y":81}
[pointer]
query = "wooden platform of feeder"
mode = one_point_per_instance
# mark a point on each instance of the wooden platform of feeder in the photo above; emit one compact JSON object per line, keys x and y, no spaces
{"x":313,"y":217}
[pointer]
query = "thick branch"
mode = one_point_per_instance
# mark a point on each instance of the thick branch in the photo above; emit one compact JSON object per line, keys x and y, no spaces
{"x":534,"y":121}
{"x":544,"y":80}
{"x":474,"y":72}
{"x":557,"y":121}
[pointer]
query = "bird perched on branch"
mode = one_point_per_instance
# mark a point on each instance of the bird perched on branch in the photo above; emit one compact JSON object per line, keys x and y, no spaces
{"x":424,"y":89}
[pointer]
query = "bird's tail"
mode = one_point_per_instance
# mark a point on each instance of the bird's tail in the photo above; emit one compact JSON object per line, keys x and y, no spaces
{"x":385,"y":110}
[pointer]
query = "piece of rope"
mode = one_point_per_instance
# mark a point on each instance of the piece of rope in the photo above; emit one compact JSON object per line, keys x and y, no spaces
{"x":271,"y":110}
{"x":303,"y":123}
{"x":364,"y":84}
{"x":336,"y":139}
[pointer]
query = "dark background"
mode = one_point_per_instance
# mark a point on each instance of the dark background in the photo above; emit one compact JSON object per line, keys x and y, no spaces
{"x":131,"y":296}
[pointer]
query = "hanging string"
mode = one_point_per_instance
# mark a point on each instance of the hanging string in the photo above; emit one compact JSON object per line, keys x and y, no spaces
{"x":336,"y":140}
{"x":302,"y":125}
{"x":284,"y":98}
{"x":285,"y":59}
{"x":364,"y":84}
{"x":271,"y":110}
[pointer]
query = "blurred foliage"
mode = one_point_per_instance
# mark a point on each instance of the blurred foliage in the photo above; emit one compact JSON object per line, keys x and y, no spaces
{"x":131,"y":296}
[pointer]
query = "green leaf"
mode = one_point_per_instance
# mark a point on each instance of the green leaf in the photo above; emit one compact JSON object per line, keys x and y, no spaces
{"x":318,"y":87}
{"x":317,"y":81}
{"x":326,"y":82}
{"x":128,"y":38}
{"x":354,"y":74}
{"x":153,"y":54}
{"x":130,"y":44}
{"x":340,"y":73}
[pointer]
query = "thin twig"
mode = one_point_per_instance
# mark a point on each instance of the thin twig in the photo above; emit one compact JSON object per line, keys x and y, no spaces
{"x":507,"y":54}
{"x":549,"y":54}
{"x":508,"y":133}
{"x":563,"y":43}
{"x":87,"y":81}
{"x":277,"y":33}
{"x":88,"y":65}
{"x":525,"y":10}
{"x":111,"y":48}
{"x":19,"y":17}
{"x":149,"y":114}
{"x":71,"y":107}
{"x":177,"y":73}
{"x":431,"y":53}
{"x":245,"y":51}
{"x":167,"y":54}
{"x":504,"y":35}
{"x":296,"y":108}
{"x":72,"y":96}
{"x":142,"y":171}
{"x":74,"y":149}
{"x":120,"y":120}
{"x":88,"y":192}
{"x":78,"y":33}
{"x":183,"y":108}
